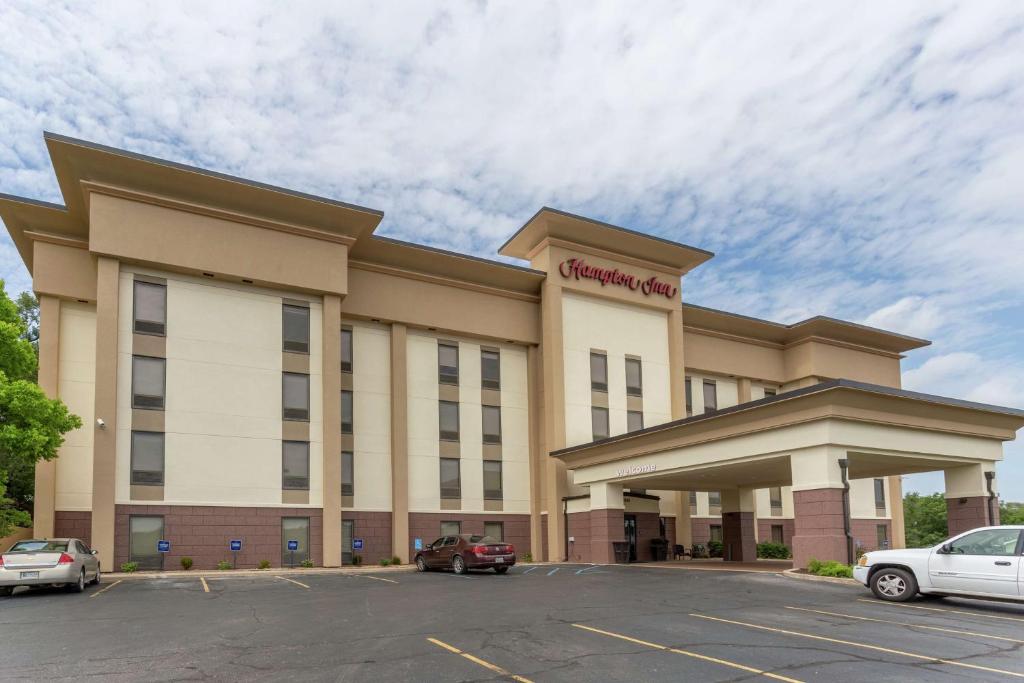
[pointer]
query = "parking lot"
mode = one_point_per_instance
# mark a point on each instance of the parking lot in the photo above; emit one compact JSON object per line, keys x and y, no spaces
{"x":537,"y":623}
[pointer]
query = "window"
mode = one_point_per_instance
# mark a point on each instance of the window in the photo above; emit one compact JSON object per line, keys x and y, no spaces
{"x":492,"y":480}
{"x":693,"y":502}
{"x":348,"y":531}
{"x":450,"y":529}
{"x":346,"y":350}
{"x":295,"y":329}
{"x":451,"y":482}
{"x":143,"y":534}
{"x":599,"y":423}
{"x":689,"y":397}
{"x":448,"y":416}
{"x":495,"y":530}
{"x":295,"y":396}
{"x":295,"y":465}
{"x":993,"y":542}
{"x":710,"y":395}
{"x":490,"y":370}
{"x":769,"y":392}
{"x":775,"y":500}
{"x":492,"y":424}
{"x":598,"y":371}
{"x":150,"y":315}
{"x":634,"y":377}
{"x":882,"y":531}
{"x":346,"y":411}
{"x":148,"y":375}
{"x":716,"y":532}
{"x":777,"y":534}
{"x":147,"y":458}
{"x":347,"y":473}
{"x":879,"y":496}
{"x":634,"y":420}
{"x":715,"y":503}
{"x":294,"y":529}
{"x":448,"y":364}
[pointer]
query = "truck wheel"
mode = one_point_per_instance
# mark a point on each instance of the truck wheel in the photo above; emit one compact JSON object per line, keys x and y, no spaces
{"x":894,"y":585}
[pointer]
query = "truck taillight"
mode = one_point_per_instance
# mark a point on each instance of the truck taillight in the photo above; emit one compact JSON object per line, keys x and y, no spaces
{"x":65,"y":559}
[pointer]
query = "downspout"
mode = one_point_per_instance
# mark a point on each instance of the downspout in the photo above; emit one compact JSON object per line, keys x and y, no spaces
{"x":989,"y":478}
{"x":843,"y":465}
{"x":565,"y":524}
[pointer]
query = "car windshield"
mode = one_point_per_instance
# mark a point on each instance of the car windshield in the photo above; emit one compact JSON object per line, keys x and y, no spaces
{"x":475,"y":538}
{"x":39,"y":547}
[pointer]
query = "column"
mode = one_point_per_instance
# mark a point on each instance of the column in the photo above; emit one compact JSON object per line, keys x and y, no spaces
{"x":535,"y":392}
{"x":684,"y":525}
{"x":818,"y":511}
{"x":677,"y":387}
{"x":555,"y":475}
{"x":399,"y":442}
{"x":968,"y":502}
{"x":104,"y":458}
{"x":607,"y":521}
{"x":44,"y":506}
{"x":331,"y":373}
{"x":743,"y":390}
{"x":739,"y":537}
{"x":899,"y":528}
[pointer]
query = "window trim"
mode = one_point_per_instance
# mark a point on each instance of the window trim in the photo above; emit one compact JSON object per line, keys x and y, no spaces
{"x":163,"y":384}
{"x":443,"y":536}
{"x":441,"y":377}
{"x":688,"y":391}
{"x":285,"y":408}
{"x":352,"y":466}
{"x":285,"y":553}
{"x":285,"y":486}
{"x":285,"y":306}
{"x":639,"y":389}
{"x":607,"y":420}
{"x":352,"y":403}
{"x":491,"y":439}
{"x":443,"y":435}
{"x":163,"y":460}
{"x":351,"y":350}
{"x":634,"y":412}
{"x":135,"y":310}
{"x":458,"y":467}
{"x":492,"y":384}
{"x":501,"y":537}
{"x":490,"y":495}
{"x":162,"y":535}
{"x":599,"y":386}
{"x":714,"y":386}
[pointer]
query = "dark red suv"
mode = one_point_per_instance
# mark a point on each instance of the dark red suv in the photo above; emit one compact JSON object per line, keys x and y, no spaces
{"x":464,"y":552}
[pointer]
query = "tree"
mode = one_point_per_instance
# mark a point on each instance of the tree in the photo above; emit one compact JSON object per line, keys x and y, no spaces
{"x":17,"y":356}
{"x":1011,"y":513}
{"x":925,"y":519}
{"x":28,"y":311}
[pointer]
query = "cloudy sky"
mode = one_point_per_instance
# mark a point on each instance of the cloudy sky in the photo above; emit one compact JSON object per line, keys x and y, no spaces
{"x":859,"y":160}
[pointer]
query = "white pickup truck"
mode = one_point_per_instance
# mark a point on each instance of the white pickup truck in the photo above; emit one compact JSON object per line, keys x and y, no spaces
{"x":981,"y":563}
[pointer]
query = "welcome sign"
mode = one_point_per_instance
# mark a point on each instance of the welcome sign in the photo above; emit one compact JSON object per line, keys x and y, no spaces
{"x":581,"y":270}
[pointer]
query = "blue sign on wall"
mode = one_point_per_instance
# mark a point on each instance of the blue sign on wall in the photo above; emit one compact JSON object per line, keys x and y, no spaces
{"x":293,"y":545}
{"x":163,"y":546}
{"x":357,"y":544}
{"x":236,"y":545}
{"x":418,"y":544}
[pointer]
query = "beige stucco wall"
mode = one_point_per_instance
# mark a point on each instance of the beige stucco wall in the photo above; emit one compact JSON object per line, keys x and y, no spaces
{"x":515,"y":429}
{"x":371,"y":382}
{"x":424,"y":473}
{"x":862,"y":499}
{"x":726,"y":387}
{"x":76,"y":386}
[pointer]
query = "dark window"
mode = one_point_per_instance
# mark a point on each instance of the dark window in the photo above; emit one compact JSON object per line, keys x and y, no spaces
{"x":490,"y":370}
{"x":710,"y":395}
{"x":634,"y":377}
{"x":492,"y":424}
{"x":348,"y":531}
{"x":147,"y":458}
{"x":295,"y":396}
{"x":598,"y":371}
{"x":143,"y":534}
{"x":451,"y":482}
{"x":769,"y":392}
{"x":599,"y":423}
{"x":448,"y":416}
{"x":716,"y":532}
{"x":347,"y":473}
{"x":295,"y":328}
{"x":148,"y":382}
{"x":448,"y":364}
{"x":689,"y":398}
{"x":346,"y":350}
{"x":448,"y":530}
{"x":492,"y":480}
{"x":882,"y":536}
{"x":295,"y":465}
{"x":495,"y":530}
{"x":693,"y":502}
{"x":294,"y":529}
{"x":775,"y":500}
{"x":777,"y":535}
{"x":715,"y":503}
{"x":150,"y":308}
{"x":880,"y":496}
{"x":346,"y":411}
{"x":634,"y":420}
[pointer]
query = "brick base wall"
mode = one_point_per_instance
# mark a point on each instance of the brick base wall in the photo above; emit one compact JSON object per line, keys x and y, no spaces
{"x":203,"y":533}
{"x":670,"y":534}
{"x":374,"y":528}
{"x":579,"y":531}
{"x":69,"y":524}
{"x":648,"y":527}
{"x":964,"y":514}
{"x":545,"y":556}
{"x":738,"y":542}
{"x":865,"y":532}
{"x":427,"y":526}
{"x":764,"y":529}
{"x":701,"y":529}
{"x":818,"y":525}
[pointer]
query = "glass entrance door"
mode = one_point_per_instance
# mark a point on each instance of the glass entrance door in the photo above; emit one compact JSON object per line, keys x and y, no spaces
{"x":631,"y":536}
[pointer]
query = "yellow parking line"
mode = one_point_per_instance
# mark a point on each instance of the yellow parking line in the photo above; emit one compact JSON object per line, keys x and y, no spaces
{"x":939,"y":609}
{"x":476,"y":660}
{"x":377,"y":578}
{"x":297,"y":583}
{"x":877,"y":648}
{"x":105,"y":588}
{"x":715,"y":660}
{"x":904,"y":623}
{"x":206,"y":588}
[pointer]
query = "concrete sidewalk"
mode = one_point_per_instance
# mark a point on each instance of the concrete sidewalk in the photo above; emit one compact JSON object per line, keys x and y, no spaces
{"x":717,"y":564}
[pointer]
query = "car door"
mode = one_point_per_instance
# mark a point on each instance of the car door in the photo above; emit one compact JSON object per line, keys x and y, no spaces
{"x":986,"y":561}
{"x":91,"y":562}
{"x":433,"y":554}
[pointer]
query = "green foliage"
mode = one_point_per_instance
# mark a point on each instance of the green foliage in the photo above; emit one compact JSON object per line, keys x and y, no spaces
{"x":28,"y":311}
{"x":17,"y":355}
{"x":527,"y":557}
{"x":830,"y":568}
{"x":1011,"y":513}
{"x":925,"y":519}
{"x":357,"y":560}
{"x":773,"y":551}
{"x":129,"y":567}
{"x":264,"y":564}
{"x":307,"y":563}
{"x":224,"y":564}
{"x":384,"y":561}
{"x":186,"y":563}
{"x":396,"y":560}
{"x":715,"y":548}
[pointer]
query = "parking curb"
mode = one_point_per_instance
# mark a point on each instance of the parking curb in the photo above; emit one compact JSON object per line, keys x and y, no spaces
{"x":798,"y":574}
{"x":272,"y":571}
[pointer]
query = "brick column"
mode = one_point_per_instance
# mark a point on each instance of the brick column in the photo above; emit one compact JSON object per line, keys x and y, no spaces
{"x":739,"y":539}
{"x":967,"y":498}
{"x":819,"y":532}
{"x":607,"y":521}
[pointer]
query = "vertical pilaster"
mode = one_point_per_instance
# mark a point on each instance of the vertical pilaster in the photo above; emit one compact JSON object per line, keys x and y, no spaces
{"x":535,"y":393}
{"x":739,"y":539}
{"x":677,"y":396}
{"x":104,"y":458}
{"x":968,"y":503}
{"x":555,"y":476}
{"x":399,"y":442}
{"x":607,"y":521}
{"x":743,"y":393}
{"x":44,"y":505}
{"x":819,"y":516}
{"x":899,"y":527}
{"x":332,"y":430}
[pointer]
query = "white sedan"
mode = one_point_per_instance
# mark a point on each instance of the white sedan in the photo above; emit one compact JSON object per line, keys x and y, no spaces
{"x":64,"y":562}
{"x":981,"y":563}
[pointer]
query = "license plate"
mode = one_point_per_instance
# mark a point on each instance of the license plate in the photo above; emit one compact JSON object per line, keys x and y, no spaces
{"x":30,"y":575}
{"x":499,"y":560}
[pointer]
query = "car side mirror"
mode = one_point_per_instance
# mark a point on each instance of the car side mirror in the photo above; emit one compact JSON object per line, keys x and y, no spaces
{"x":945,"y":549}
{"x":94,"y":552}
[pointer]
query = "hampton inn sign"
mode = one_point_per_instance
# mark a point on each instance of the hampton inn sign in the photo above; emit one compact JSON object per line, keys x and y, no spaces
{"x":578,"y":268}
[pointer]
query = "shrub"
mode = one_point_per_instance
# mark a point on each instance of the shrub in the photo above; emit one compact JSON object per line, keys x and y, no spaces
{"x":264,"y":564}
{"x":396,"y":560}
{"x":223,"y":564}
{"x":307,"y":563}
{"x":714,"y":548}
{"x":830,"y":568}
{"x":384,"y":561}
{"x":129,"y":567}
{"x":773,"y":551}
{"x":527,"y":557}
{"x":186,"y":563}
{"x":357,"y":560}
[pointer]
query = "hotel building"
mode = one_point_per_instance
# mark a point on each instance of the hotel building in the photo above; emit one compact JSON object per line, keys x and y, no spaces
{"x":254,"y":363}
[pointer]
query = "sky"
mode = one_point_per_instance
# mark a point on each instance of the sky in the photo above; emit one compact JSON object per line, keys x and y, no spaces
{"x":858,"y":160}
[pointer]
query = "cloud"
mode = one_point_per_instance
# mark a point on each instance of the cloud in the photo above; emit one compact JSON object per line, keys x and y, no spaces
{"x":912,"y":315}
